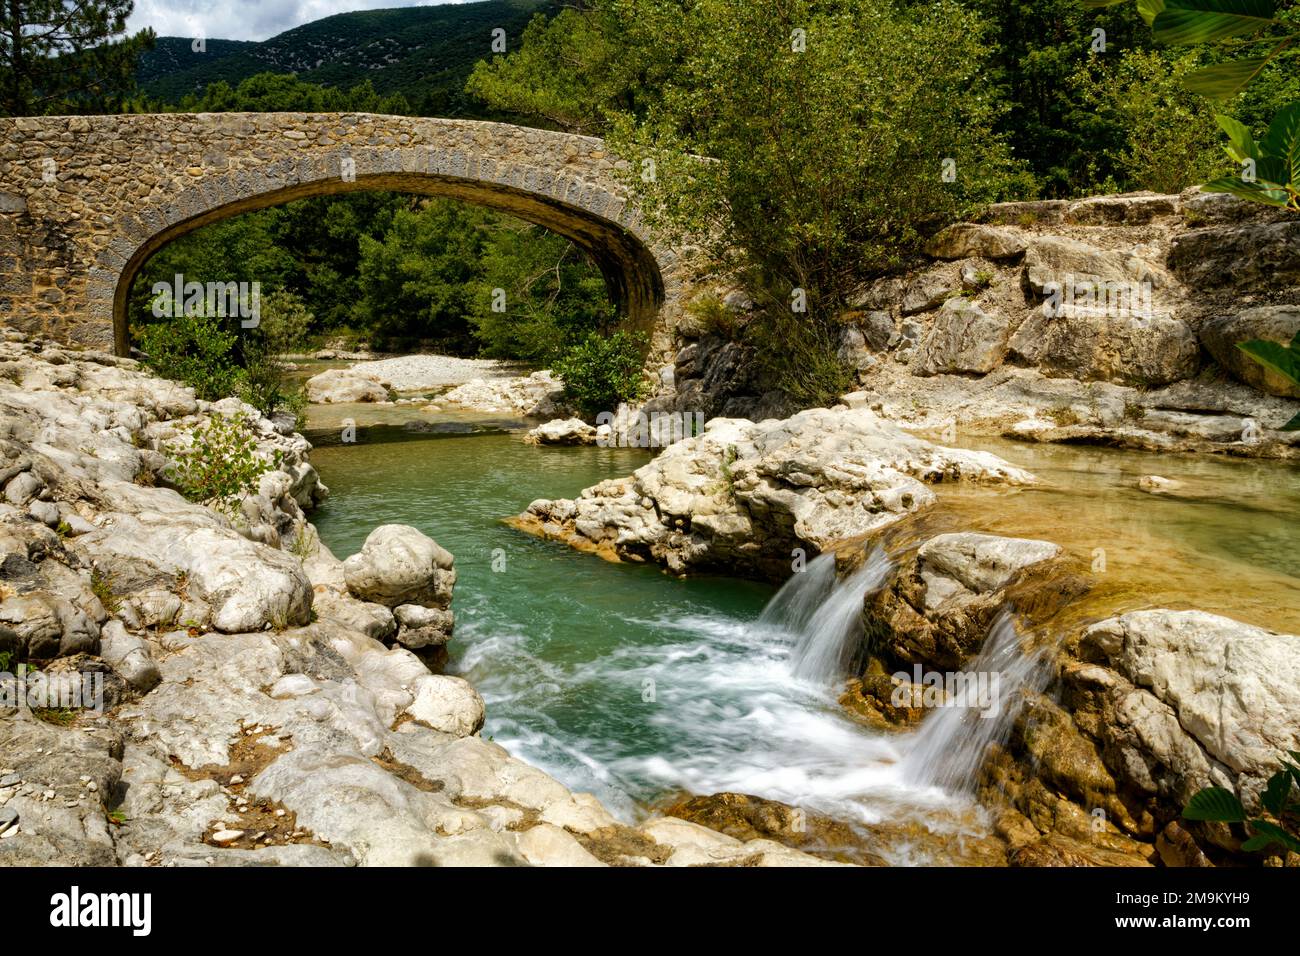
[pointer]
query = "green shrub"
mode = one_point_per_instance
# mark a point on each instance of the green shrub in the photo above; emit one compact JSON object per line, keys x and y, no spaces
{"x":1280,"y":827}
{"x":220,"y":465}
{"x":603,"y":370}
{"x":193,"y":350}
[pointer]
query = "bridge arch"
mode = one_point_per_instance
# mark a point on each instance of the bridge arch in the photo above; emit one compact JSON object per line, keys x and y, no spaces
{"x":87,"y":200}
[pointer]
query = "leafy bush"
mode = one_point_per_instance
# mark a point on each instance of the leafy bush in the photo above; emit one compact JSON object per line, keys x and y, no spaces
{"x":195,"y":350}
{"x":1270,"y":169}
{"x":1218,"y":805}
{"x":603,"y":370}
{"x":1171,"y":140}
{"x":220,"y":464}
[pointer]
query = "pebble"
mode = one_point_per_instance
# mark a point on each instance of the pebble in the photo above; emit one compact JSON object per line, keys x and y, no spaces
{"x":8,"y":817}
{"x":48,"y":795}
{"x":10,"y":780}
{"x":227,"y":836}
{"x":236,"y":779}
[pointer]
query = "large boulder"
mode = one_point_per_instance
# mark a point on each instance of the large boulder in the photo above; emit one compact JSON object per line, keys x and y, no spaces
{"x":562,"y":431}
{"x":1203,"y":699}
{"x":1053,"y":262}
{"x":1278,"y":323}
{"x":743,"y":495}
{"x":964,"y":240}
{"x":342,"y":385}
{"x":400,"y":565}
{"x":448,"y":704}
{"x":1265,"y":255}
{"x":1124,"y":349}
{"x":963,"y":338}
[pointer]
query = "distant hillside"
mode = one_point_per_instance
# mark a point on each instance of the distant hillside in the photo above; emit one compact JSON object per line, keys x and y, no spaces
{"x":424,"y":53}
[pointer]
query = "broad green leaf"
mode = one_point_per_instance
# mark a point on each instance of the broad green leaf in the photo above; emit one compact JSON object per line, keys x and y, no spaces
{"x":1275,"y":356}
{"x":1293,"y":426}
{"x":1255,"y":192}
{"x":1203,"y":21}
{"x":1282,"y":140}
{"x":1225,"y":80}
{"x":1240,"y":136}
{"x":1270,"y":833}
{"x":1277,"y":792}
{"x":1150,"y":9}
{"x":1216,"y":804}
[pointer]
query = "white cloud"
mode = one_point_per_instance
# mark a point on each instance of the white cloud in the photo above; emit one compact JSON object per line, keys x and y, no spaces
{"x":245,"y":19}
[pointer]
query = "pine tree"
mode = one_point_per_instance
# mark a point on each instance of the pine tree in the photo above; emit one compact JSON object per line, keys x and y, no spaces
{"x":66,"y":56}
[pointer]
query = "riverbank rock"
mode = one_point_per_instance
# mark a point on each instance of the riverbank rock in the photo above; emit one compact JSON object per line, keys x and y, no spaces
{"x":337,"y":386}
{"x":400,"y":565}
{"x":1124,"y":719}
{"x":743,"y":495}
{"x":254,"y":712}
{"x":563,"y":431}
{"x":419,"y":373}
{"x":1223,"y":334}
{"x":1107,"y":321}
{"x":539,"y":395}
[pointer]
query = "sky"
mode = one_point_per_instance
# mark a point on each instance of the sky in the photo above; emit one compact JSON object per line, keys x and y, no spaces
{"x":245,"y":19}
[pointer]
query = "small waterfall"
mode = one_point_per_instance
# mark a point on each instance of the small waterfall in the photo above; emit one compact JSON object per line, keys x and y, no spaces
{"x":950,"y":744}
{"x":824,"y":614}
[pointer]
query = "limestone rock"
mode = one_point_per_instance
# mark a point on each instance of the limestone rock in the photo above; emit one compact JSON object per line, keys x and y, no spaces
{"x":337,"y":385}
{"x":1233,"y":689}
{"x":562,"y":431}
{"x":1126,"y":349}
{"x":130,"y":656}
{"x":965,"y":240}
{"x":963,"y":338}
{"x":400,"y":565}
{"x":448,"y":704}
{"x":743,"y":494}
{"x":1222,"y":335}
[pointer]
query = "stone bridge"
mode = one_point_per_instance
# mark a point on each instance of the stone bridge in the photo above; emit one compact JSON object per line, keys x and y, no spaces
{"x":85,"y":200}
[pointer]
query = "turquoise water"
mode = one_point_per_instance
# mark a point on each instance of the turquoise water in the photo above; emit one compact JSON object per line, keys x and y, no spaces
{"x":615,"y":678}
{"x":624,"y":682}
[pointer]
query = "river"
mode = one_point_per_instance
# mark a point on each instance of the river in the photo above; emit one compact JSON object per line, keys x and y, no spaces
{"x":638,"y":687}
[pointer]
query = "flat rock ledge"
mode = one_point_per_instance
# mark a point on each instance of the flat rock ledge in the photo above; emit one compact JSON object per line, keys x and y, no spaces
{"x":263,"y":702}
{"x":1131,"y":716}
{"x":743,"y":496}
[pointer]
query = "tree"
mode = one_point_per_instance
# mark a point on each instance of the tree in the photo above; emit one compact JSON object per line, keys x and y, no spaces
{"x":63,"y":56}
{"x":838,"y":135}
{"x":549,"y":296}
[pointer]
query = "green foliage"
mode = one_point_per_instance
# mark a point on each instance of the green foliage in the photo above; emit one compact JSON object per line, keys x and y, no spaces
{"x":219,"y":464}
{"x":1218,"y":805}
{"x":553,"y":296}
{"x":587,"y":64}
{"x":1253,"y":25}
{"x":194,"y":350}
{"x":61,"y":57}
{"x":285,"y":322}
{"x":603,"y":370}
{"x":423,"y":53}
{"x":1282,"y":359}
{"x":1037,"y":49}
{"x":1271,"y":167}
{"x":1172,"y":140}
{"x":416,"y":281}
{"x":285,"y":93}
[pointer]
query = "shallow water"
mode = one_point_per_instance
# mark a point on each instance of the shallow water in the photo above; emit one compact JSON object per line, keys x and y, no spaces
{"x":624,"y":682}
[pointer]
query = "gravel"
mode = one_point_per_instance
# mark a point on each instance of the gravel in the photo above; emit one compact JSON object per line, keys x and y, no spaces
{"x":409,"y":373}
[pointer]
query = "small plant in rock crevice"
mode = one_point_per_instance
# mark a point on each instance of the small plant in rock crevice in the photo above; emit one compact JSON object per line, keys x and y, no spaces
{"x":1278,"y":824}
{"x":220,"y":464}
